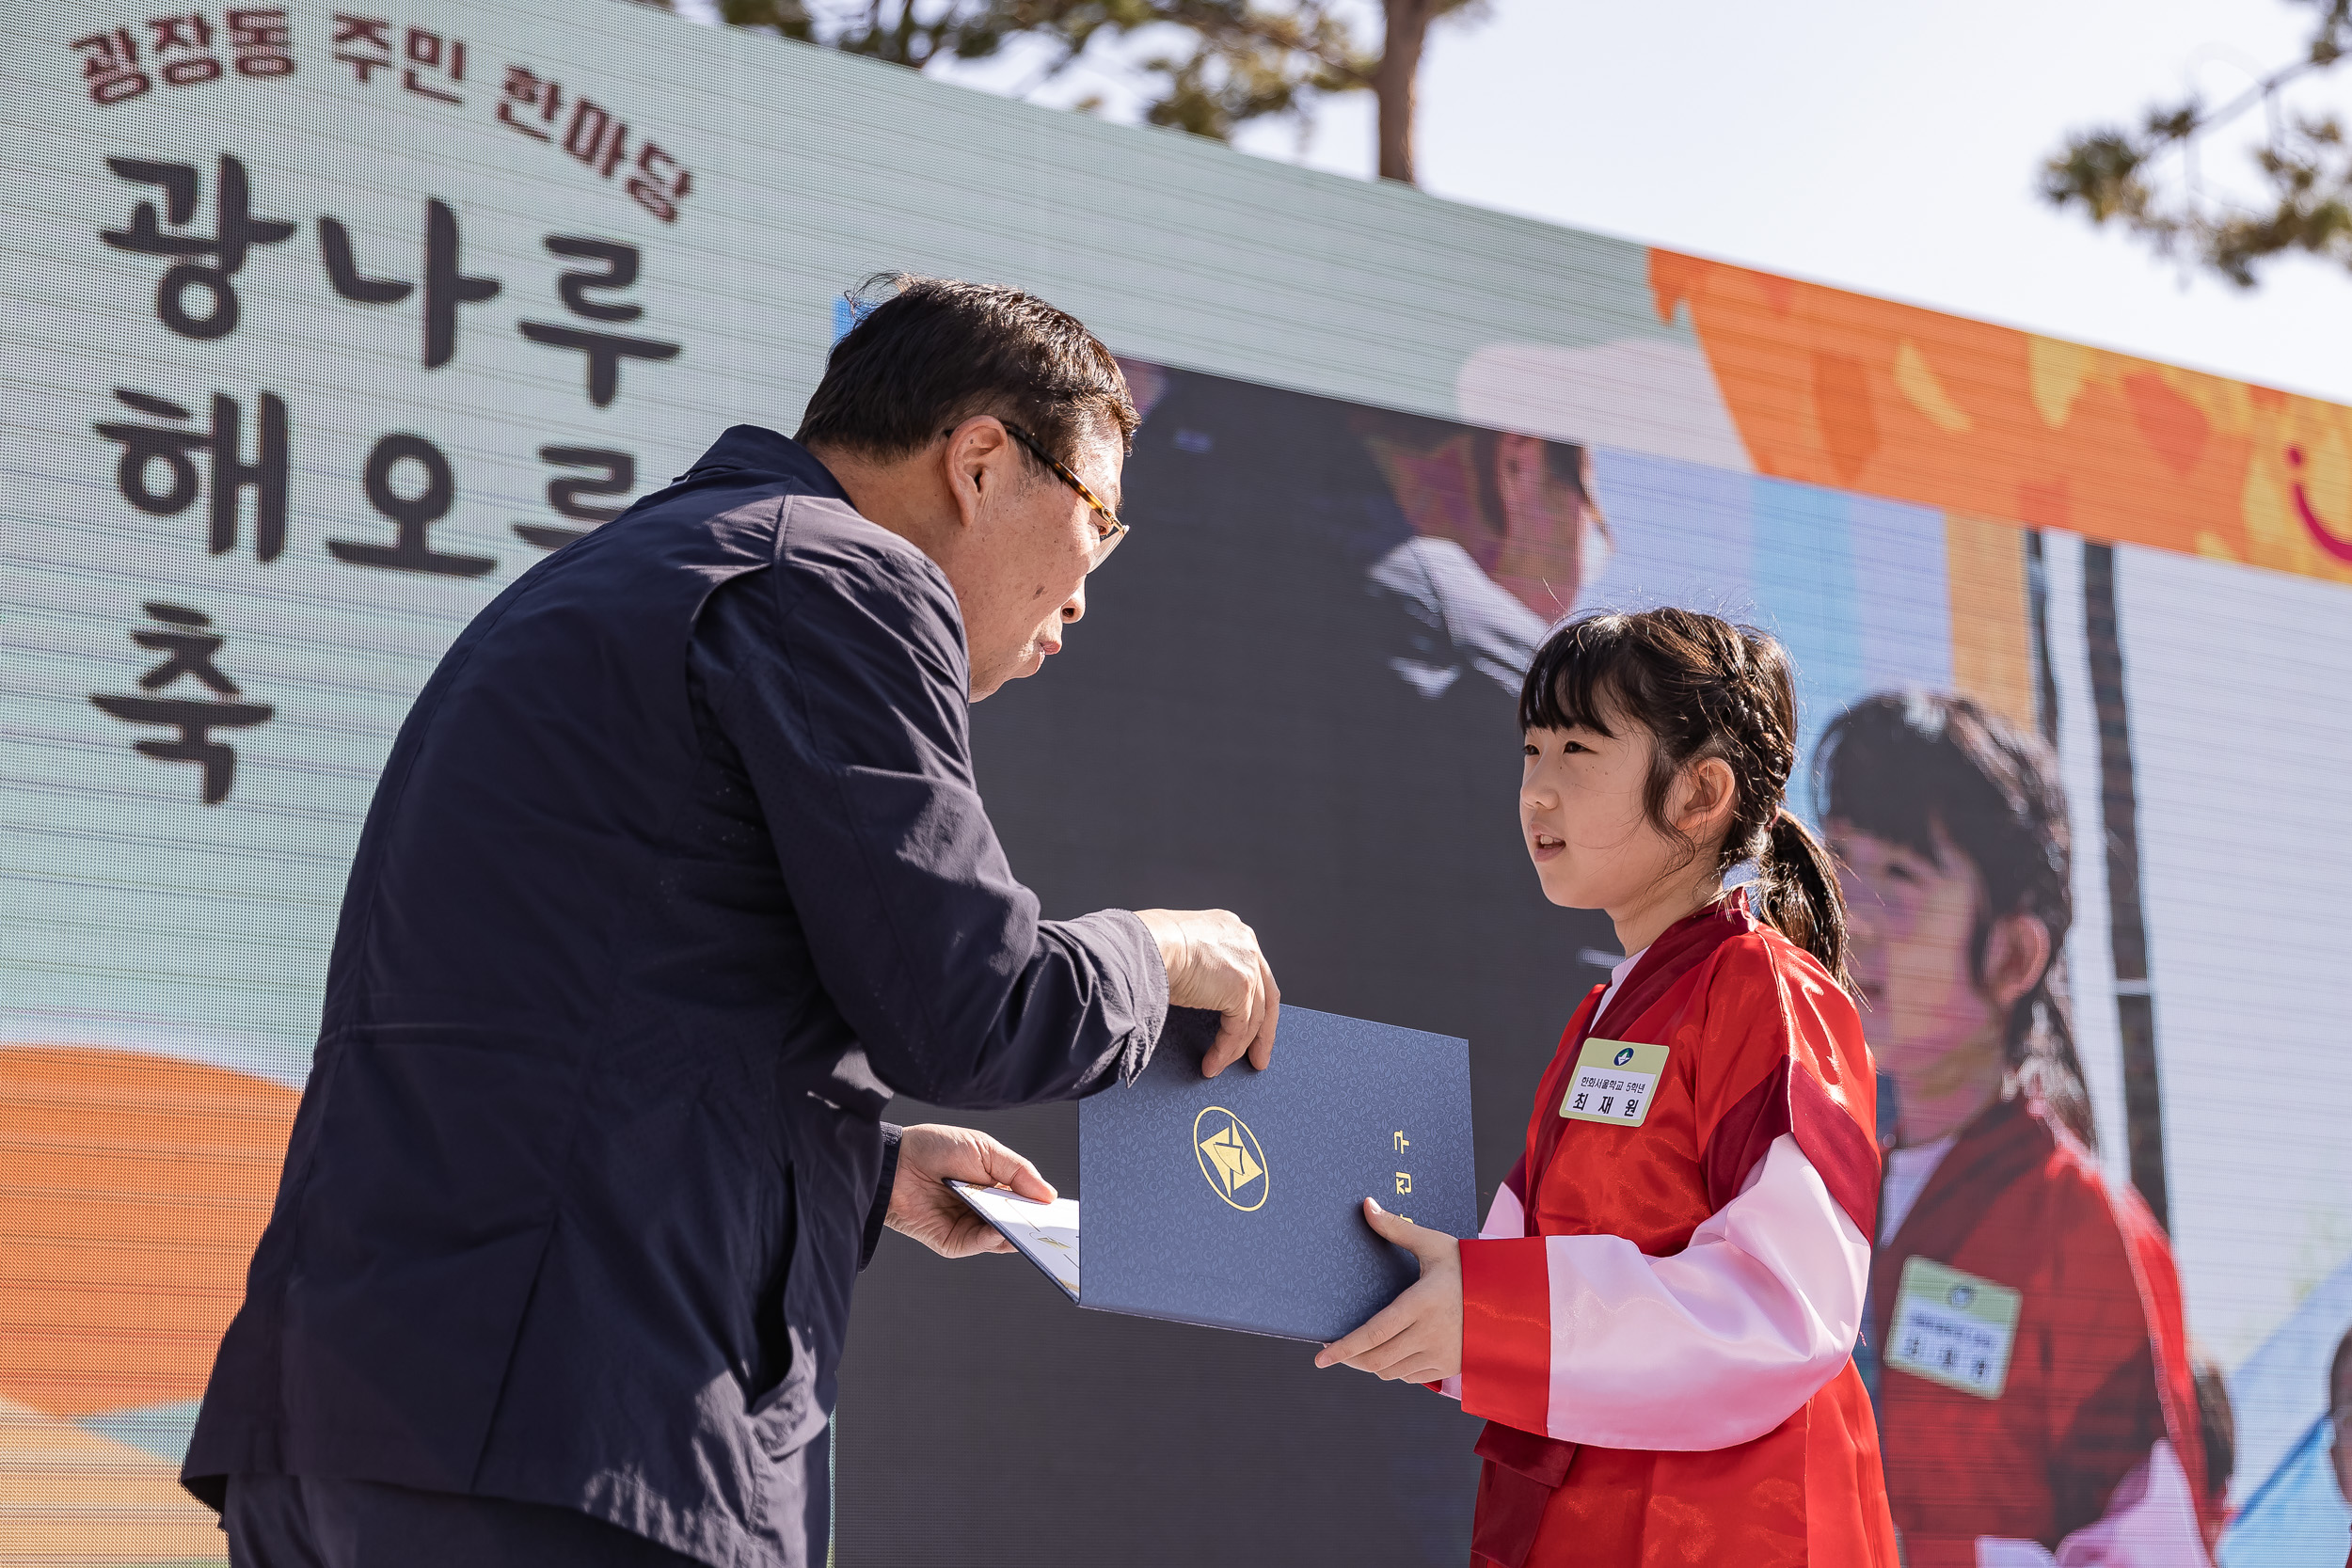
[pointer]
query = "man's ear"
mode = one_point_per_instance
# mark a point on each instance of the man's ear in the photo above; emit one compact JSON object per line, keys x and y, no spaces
{"x":977,"y":461}
{"x":2017,"y":952}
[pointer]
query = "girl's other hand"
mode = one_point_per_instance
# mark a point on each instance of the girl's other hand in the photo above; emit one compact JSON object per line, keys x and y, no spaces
{"x":1418,"y":1336}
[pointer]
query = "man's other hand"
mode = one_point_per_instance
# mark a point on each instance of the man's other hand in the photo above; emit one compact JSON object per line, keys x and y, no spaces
{"x":1213,"y":961}
{"x":923,"y":1206}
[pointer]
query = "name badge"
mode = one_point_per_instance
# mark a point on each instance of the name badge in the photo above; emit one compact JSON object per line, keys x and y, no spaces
{"x":1953,"y":1328}
{"x":1614,"y":1081}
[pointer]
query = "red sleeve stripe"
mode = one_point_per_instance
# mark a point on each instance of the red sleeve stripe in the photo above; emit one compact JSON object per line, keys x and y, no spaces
{"x":1507,"y":1332}
{"x":1743,"y":1134}
{"x":1790,"y":1101}
{"x":1840,"y":1150}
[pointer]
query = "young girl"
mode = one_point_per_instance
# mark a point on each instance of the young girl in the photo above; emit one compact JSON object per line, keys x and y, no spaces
{"x":2087,"y":1445}
{"x":1659,"y":1318}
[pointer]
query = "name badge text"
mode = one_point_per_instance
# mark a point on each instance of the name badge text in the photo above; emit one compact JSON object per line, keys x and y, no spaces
{"x":1953,"y":1328}
{"x":1614,"y":1081}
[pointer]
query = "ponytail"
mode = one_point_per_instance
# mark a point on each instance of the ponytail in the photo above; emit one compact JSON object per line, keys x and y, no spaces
{"x":1796,"y":893}
{"x":2043,"y":1065}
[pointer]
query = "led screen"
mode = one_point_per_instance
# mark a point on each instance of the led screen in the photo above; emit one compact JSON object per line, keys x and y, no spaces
{"x":323,"y":327}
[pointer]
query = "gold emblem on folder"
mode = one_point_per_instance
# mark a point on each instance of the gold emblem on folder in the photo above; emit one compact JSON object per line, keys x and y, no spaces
{"x":1230,"y":1158}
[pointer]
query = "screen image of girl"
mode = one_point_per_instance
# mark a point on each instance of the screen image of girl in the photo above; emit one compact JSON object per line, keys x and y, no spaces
{"x":2071,"y":1433}
{"x":1658,"y":1316}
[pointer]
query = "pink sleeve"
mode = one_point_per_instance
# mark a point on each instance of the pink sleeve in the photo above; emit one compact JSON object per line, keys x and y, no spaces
{"x":1586,"y":1340}
{"x":1506,"y":1216}
{"x":2151,"y":1521}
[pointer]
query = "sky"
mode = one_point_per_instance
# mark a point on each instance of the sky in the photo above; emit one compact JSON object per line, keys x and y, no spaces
{"x":1888,"y":148}
{"x":1891,"y":149}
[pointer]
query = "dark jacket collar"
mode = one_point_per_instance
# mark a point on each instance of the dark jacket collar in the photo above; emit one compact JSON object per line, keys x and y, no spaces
{"x":755,"y":449}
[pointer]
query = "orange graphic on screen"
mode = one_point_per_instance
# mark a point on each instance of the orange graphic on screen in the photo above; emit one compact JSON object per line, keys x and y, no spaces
{"x":133,"y":1189}
{"x":1840,"y":389}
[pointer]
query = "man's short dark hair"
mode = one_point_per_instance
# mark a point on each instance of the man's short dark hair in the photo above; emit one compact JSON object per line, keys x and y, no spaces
{"x":928,"y":353}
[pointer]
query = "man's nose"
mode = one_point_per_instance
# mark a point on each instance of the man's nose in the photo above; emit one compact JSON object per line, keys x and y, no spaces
{"x":1074,"y":608}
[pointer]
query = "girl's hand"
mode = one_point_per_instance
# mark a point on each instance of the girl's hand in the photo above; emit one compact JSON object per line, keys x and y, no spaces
{"x":1418,"y":1336}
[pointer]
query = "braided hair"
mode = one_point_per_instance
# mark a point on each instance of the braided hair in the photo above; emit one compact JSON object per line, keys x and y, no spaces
{"x":1703,"y":688}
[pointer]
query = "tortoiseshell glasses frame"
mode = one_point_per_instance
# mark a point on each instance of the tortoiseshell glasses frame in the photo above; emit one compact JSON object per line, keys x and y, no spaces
{"x":1109,"y":530}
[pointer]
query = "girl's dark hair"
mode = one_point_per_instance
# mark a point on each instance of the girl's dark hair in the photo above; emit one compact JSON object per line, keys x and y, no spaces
{"x":1914,"y":768}
{"x":1703,"y":688}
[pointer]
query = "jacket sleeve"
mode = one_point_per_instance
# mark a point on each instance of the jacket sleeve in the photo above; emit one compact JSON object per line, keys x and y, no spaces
{"x":1586,"y":1340}
{"x":843,"y":686}
{"x":878,"y":1210}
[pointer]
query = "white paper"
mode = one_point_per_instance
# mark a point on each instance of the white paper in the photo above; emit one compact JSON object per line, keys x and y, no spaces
{"x":1047,"y":1233}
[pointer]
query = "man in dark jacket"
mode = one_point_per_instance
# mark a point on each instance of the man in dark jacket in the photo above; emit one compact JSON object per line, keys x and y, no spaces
{"x":677,"y":872}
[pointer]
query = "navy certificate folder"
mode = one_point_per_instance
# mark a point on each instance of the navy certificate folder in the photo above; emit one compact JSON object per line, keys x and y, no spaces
{"x":1235,"y":1202}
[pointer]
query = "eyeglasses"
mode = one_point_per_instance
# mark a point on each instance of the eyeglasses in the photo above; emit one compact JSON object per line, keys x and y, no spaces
{"x":1108,"y":530}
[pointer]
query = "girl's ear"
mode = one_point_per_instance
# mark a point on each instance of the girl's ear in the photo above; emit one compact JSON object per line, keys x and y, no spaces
{"x":1707,"y":798}
{"x":2017,"y":952}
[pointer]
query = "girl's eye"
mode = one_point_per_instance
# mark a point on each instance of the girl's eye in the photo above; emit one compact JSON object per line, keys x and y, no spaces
{"x":1531,"y":750}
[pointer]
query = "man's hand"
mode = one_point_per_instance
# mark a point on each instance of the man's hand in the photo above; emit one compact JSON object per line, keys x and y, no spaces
{"x":1213,"y":961}
{"x":1418,"y":1336}
{"x":923,"y":1206}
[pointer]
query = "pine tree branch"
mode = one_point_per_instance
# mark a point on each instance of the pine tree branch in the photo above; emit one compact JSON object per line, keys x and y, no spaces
{"x":2112,"y":173}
